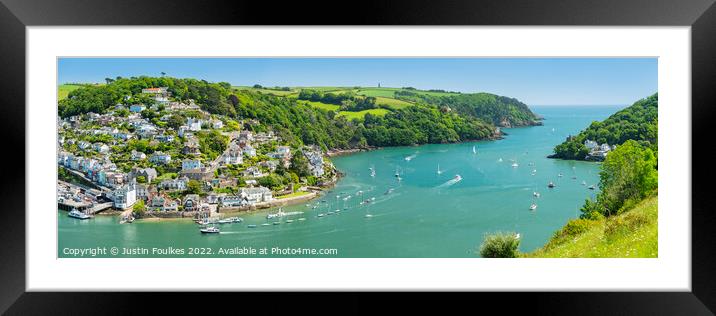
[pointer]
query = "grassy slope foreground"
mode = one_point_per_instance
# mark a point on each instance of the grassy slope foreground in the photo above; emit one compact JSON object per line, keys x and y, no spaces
{"x":631,"y":234}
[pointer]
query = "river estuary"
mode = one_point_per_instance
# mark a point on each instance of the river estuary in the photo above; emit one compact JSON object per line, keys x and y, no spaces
{"x":425,"y":214}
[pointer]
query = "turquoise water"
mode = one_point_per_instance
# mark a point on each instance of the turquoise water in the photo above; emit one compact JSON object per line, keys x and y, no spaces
{"x":425,"y":215}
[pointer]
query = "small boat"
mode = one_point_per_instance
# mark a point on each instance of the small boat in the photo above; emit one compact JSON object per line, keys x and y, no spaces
{"x":209,"y":230}
{"x":289,"y":221}
{"x":584,"y":182}
{"x":551,"y":185}
{"x":372,"y":172}
{"x":230,"y":220}
{"x":301,"y":219}
{"x":278,"y":214}
{"x":591,"y":187}
{"x":337,"y":210}
{"x":457,"y":178}
{"x":75,"y":213}
{"x":499,"y":160}
{"x":277,"y":223}
{"x":474,"y":149}
{"x":533,"y":207}
{"x":515,"y":165}
{"x":368,"y":215}
{"x":251,"y":226}
{"x":535,"y":194}
{"x":560,"y":175}
{"x":329,"y":213}
{"x":517,"y":235}
{"x":574,"y":178}
{"x":320,"y":215}
{"x":439,"y":172}
{"x":265,"y":224}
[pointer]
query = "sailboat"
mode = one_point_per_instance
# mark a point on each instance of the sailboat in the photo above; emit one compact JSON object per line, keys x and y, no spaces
{"x":439,"y":172}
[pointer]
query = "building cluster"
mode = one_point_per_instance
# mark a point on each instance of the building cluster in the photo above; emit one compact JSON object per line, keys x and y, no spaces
{"x":597,"y":151}
{"x":105,"y":162}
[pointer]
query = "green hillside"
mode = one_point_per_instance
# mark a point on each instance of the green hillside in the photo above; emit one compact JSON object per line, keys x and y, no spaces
{"x":631,"y":234}
{"x":330,"y":117}
{"x":637,"y":122}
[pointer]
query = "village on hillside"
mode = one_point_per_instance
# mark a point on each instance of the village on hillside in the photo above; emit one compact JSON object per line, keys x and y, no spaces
{"x":172,"y":159}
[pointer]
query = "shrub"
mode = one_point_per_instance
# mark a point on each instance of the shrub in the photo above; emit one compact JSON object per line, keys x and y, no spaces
{"x":500,"y":245}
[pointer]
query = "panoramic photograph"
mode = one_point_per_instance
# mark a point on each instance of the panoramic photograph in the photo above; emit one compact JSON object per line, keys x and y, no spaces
{"x":357,"y":157}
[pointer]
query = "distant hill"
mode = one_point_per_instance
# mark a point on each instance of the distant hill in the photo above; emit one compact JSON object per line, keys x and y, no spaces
{"x":498,"y":110}
{"x":638,"y":122}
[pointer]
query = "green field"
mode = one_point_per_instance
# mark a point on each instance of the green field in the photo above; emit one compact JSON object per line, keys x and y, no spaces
{"x":268,"y":91}
{"x":390,"y":92}
{"x":392,"y":103}
{"x":64,"y":89}
{"x":632,"y":234}
{"x":359,"y":115}
{"x":321,"y":105}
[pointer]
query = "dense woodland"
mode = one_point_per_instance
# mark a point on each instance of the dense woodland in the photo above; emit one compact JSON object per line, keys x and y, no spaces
{"x":474,"y":116}
{"x":638,"y":122}
{"x":498,"y":110}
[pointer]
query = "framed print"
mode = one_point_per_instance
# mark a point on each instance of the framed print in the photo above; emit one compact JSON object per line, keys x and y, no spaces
{"x":461,"y":150}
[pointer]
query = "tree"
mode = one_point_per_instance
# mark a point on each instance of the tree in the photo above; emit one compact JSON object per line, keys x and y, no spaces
{"x":500,"y":245}
{"x":628,"y":172}
{"x":193,"y":187}
{"x":138,"y":208}
{"x":175,"y":121}
{"x":299,"y":164}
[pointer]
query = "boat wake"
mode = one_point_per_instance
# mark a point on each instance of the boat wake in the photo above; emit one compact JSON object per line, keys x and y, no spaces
{"x":451,"y":182}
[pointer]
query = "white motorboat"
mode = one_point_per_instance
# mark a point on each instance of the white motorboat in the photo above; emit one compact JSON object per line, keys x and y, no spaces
{"x":75,"y":213}
{"x":209,"y":230}
{"x":533,"y":207}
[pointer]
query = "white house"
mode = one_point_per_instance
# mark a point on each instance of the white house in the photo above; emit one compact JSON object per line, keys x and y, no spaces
{"x":217,"y":124}
{"x":257,"y":194}
{"x":590,"y":144}
{"x":174,"y":184}
{"x":193,"y":124}
{"x":138,"y":155}
{"x":233,"y":201}
{"x":124,"y":196}
{"x":253,"y":171}
{"x":249,"y":151}
{"x":100,"y":147}
{"x":189,"y":164}
{"x":160,"y":158}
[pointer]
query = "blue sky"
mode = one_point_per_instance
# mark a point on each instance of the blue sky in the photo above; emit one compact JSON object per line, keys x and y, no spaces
{"x":535,"y":81}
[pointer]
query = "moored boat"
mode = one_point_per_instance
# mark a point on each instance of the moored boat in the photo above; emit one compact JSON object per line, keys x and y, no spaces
{"x":75,"y":213}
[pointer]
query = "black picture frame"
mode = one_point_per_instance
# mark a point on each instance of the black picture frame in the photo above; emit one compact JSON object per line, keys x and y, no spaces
{"x":16,"y":15}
